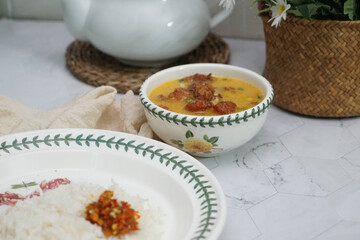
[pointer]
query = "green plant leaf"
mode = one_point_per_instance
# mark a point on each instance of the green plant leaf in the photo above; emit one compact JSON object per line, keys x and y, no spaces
{"x":304,"y":11}
{"x":349,"y":9}
{"x":318,"y":9}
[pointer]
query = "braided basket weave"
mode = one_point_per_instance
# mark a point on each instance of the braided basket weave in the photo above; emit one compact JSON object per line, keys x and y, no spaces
{"x":314,"y":66}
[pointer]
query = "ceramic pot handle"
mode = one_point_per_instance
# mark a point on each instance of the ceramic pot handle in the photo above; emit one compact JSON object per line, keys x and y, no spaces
{"x":219,"y":17}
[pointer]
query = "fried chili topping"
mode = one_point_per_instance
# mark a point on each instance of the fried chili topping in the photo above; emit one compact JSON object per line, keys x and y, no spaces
{"x":115,"y":219}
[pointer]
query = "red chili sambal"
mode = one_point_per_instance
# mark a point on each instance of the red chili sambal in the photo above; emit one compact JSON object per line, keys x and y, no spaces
{"x":115,"y":219}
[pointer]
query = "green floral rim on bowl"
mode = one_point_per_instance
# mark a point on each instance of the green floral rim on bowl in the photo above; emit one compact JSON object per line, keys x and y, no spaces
{"x":196,"y":121}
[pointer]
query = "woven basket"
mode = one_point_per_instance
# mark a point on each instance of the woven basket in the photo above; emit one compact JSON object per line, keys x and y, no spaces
{"x":314,"y":66}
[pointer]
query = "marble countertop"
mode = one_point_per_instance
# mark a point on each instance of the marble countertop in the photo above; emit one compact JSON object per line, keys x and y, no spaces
{"x":299,"y":178}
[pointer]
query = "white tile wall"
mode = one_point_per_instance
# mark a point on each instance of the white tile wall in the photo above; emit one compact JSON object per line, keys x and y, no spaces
{"x":242,"y":23}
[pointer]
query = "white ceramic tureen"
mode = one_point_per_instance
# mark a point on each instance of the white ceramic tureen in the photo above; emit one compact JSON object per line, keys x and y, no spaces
{"x":141,"y":32}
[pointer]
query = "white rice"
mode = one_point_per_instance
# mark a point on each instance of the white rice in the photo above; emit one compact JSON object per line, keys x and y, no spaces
{"x":60,"y":214}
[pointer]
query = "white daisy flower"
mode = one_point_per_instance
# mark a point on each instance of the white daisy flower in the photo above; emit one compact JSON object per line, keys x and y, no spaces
{"x":228,"y":4}
{"x":278,"y":11}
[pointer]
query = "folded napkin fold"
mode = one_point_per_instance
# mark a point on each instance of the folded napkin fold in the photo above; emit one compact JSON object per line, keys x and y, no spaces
{"x":97,"y":109}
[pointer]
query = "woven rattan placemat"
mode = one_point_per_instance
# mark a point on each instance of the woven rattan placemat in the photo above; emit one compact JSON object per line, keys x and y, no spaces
{"x":96,"y":68}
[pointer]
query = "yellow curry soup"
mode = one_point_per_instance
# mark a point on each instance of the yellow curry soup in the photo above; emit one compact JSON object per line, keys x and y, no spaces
{"x":206,"y":95}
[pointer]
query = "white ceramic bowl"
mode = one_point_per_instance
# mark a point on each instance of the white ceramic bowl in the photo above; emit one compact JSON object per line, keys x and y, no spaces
{"x":193,"y":133}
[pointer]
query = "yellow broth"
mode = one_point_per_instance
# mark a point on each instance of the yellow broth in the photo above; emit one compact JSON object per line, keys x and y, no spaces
{"x":243,"y":94}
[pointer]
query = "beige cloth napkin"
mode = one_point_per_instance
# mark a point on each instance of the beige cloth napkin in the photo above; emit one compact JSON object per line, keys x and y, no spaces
{"x":97,"y":109}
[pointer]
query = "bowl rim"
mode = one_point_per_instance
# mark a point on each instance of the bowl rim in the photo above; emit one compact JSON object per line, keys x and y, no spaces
{"x":203,"y":121}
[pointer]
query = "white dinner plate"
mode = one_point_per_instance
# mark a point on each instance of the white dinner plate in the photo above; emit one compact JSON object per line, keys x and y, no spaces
{"x":181,"y":186}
